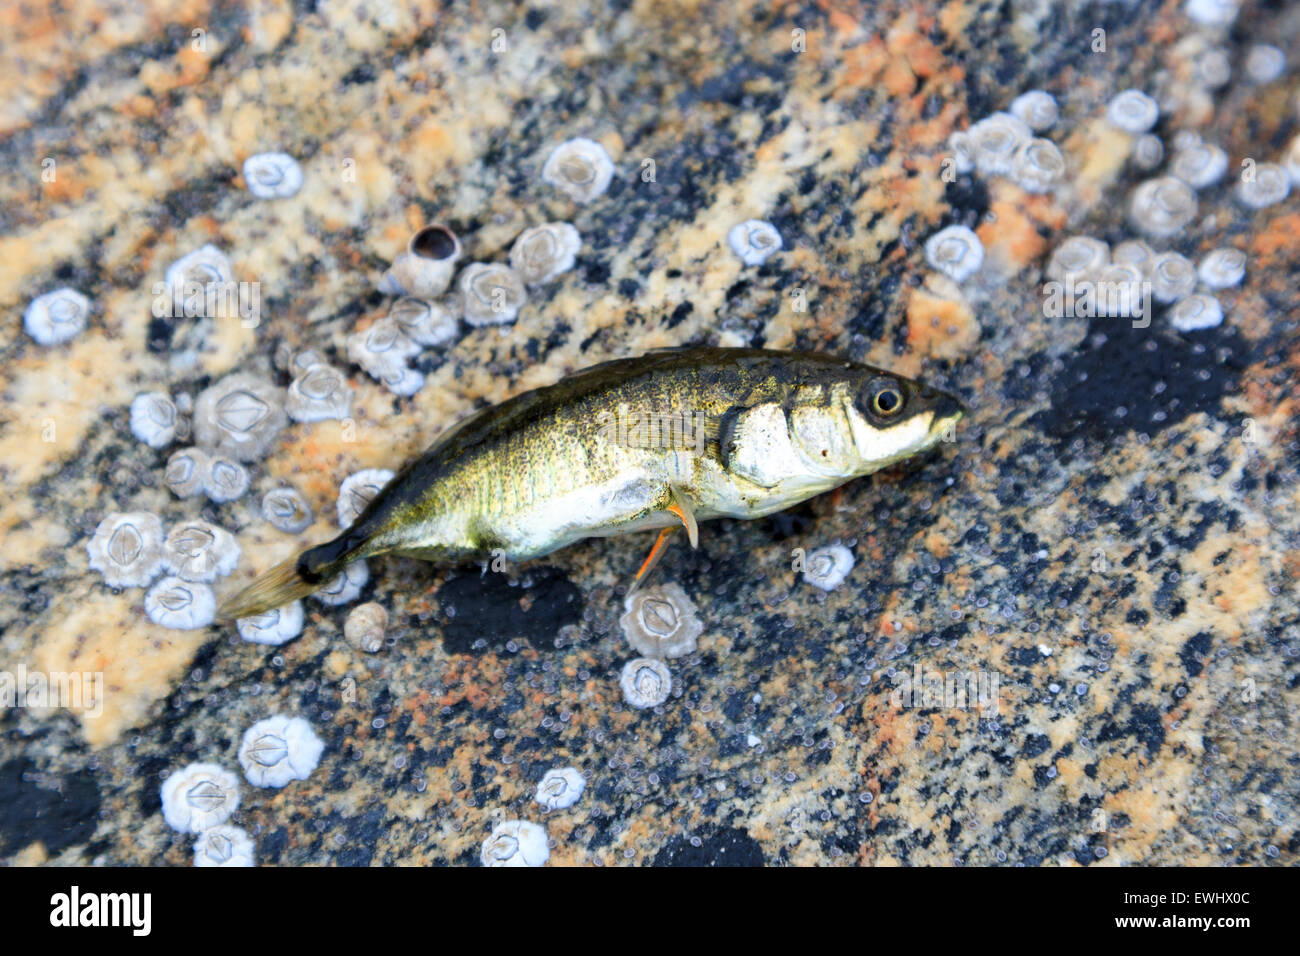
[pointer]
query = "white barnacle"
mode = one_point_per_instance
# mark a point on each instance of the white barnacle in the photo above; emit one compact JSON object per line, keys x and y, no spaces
{"x":1132,"y":111}
{"x":1162,"y":206}
{"x":1036,"y":109}
{"x":223,"y":845}
{"x":1265,"y":63}
{"x":153,"y":418}
{"x":827,"y":567}
{"x":286,"y":509}
{"x":1199,"y":166}
{"x":199,"y":551}
{"x":240,"y":415}
{"x":227,"y":479}
{"x":1222,"y":268}
{"x":1196,"y":312}
{"x":357,"y":491}
{"x":402,"y":381}
{"x":1133,"y":252}
{"x":646,"y":682}
{"x":1148,"y":151}
{"x":199,"y":797}
{"x":1078,"y":257}
{"x":1119,"y":288}
{"x":317,"y":394}
{"x":995,"y":140}
{"x":1213,"y":13}
{"x":279,"y":749}
{"x":963,"y":151}
{"x":365,"y":626}
{"x":661,"y":622}
{"x":1214,"y":68}
{"x":187,"y":472}
{"x":491,"y":293}
{"x":423,"y":322}
{"x":956,"y":252}
{"x":127,"y":549}
{"x":274,"y":627}
{"x":382,"y":350}
{"x":516,"y":843}
{"x":579,"y":168}
{"x":1039,"y":166}
{"x":272,"y":175}
{"x":193,"y":276}
{"x":346,"y":586}
{"x":425,"y":269}
{"x":754,"y":241}
{"x":560,"y":788}
{"x":180,"y":605}
{"x":544,"y":252}
{"x":1270,"y":184}
{"x":56,"y":317}
{"x":1172,"y":277}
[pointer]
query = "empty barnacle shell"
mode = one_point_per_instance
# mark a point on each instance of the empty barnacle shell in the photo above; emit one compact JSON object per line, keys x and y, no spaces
{"x":963,"y":151}
{"x":1222,"y":268}
{"x":827,"y":567}
{"x":227,"y":480}
{"x":1078,"y":257}
{"x":1036,"y":109}
{"x":127,"y":549}
{"x":240,"y":415}
{"x":199,"y":797}
{"x":1119,"y":290}
{"x":1196,"y":312}
{"x":287,"y":510}
{"x":56,"y":317}
{"x":319,"y":393}
{"x":279,"y":749}
{"x":1162,"y":206}
{"x":1213,"y":13}
{"x":425,"y":269}
{"x":189,"y":278}
{"x":199,"y":551}
{"x":646,"y":682}
{"x":403,"y":381}
{"x":491,"y":293}
{"x":660,"y":622}
{"x":383,"y":351}
{"x":358,"y":490}
{"x":274,"y":627}
{"x":272,"y":175}
{"x":1133,"y":252}
{"x":346,"y":586}
{"x":560,"y":788}
{"x":516,"y":843}
{"x":1214,"y":68}
{"x":1132,"y":111}
{"x":995,"y":140}
{"x":1172,"y":277}
{"x":1265,"y":63}
{"x":754,"y":241}
{"x":188,"y":471}
{"x":1270,"y":184}
{"x":365,"y":626}
{"x":180,"y":605}
{"x":544,"y":252}
{"x":579,"y":168}
{"x":1199,"y":166}
{"x":153,"y":418}
{"x":225,"y":845}
{"x":423,"y":322}
{"x":1039,"y":166}
{"x":956,"y":252}
{"x":1148,"y":151}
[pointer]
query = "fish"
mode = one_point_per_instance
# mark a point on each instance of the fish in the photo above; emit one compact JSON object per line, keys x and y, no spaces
{"x":662,"y":441}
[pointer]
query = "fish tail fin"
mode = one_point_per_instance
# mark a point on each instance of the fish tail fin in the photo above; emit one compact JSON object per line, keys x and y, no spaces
{"x":293,"y":579}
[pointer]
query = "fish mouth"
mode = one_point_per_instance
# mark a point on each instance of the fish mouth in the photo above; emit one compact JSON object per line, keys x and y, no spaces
{"x":947,"y":412}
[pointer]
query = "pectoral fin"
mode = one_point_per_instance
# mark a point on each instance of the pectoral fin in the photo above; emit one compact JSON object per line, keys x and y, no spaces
{"x":681,"y":506}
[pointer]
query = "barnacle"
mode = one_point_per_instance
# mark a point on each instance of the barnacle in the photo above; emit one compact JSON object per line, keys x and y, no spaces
{"x":286,"y":509}
{"x":1078,"y":257}
{"x":358,"y":490}
{"x":1162,"y":206}
{"x":274,"y":627}
{"x":1270,"y":184}
{"x":1148,"y":151}
{"x":365,"y":626}
{"x":199,"y":797}
{"x":1039,"y":166}
{"x":995,"y":141}
{"x":383,"y":350}
{"x":127,"y":549}
{"x":200,"y":552}
{"x":227,"y":479}
{"x":1213,"y":13}
{"x":56,"y":317}
{"x":180,"y":605}
{"x":1036,"y":109}
{"x":646,"y":682}
{"x":1133,"y":111}
{"x":223,"y":845}
{"x":346,"y":586}
{"x":1196,"y":312}
{"x":544,"y":252}
{"x":239,"y":415}
{"x":754,"y":240}
{"x":1172,"y":277}
{"x":827,"y":567}
{"x":1119,"y":289}
{"x":190,"y":276}
{"x":1133,"y":252}
{"x":1199,"y":166}
{"x":423,"y":322}
{"x":272,"y":175}
{"x":279,"y":749}
{"x":153,"y":419}
{"x":403,"y":381}
{"x":963,"y":151}
{"x":1214,"y":68}
{"x":579,"y":168}
{"x":491,"y":293}
{"x":560,"y":788}
{"x":956,"y":252}
{"x":516,"y":843}
{"x":1222,"y":268}
{"x":319,"y":393}
{"x":188,"y":471}
{"x":1265,"y":63}
{"x":660,"y":622}
{"x":425,"y":269}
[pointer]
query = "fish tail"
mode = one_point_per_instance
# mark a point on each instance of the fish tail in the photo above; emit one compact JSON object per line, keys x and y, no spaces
{"x":293,"y":579}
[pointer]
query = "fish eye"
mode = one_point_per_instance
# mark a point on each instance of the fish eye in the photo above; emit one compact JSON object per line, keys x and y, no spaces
{"x":886,"y":398}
